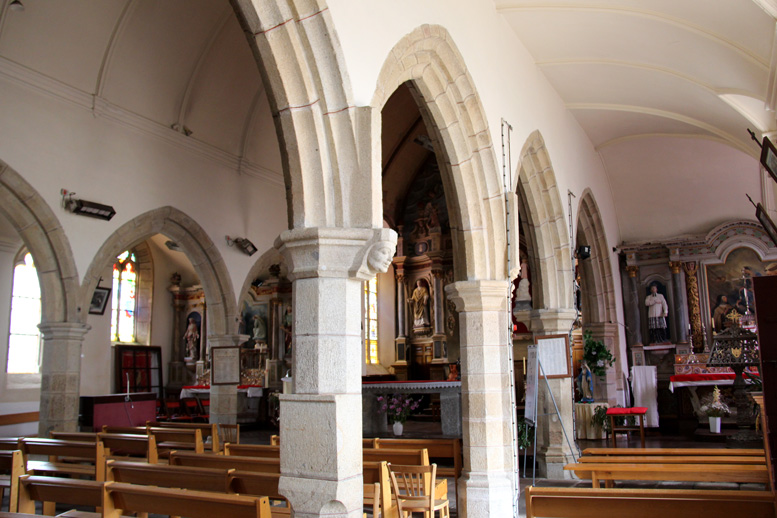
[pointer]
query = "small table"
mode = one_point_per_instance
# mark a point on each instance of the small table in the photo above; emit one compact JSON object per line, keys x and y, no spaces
{"x":626,"y":412}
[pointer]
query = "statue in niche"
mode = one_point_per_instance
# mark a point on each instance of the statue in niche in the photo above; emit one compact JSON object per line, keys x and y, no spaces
{"x":522,"y":296}
{"x":419,"y":303}
{"x":658,"y":310}
{"x":585,"y":383}
{"x":260,"y":329}
{"x":191,"y":339}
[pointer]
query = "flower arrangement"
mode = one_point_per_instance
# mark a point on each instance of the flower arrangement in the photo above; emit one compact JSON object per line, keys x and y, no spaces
{"x":716,"y":407}
{"x":596,"y":354}
{"x":397,"y":407}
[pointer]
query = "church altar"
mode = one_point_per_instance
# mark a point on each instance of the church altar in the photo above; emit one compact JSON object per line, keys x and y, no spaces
{"x":374,"y":421}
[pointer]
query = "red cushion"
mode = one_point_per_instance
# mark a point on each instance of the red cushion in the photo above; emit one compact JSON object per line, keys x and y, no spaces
{"x":637,"y":410}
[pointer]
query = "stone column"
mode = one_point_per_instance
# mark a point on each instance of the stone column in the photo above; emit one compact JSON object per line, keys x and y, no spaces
{"x":679,"y":311}
{"x":632,"y":307}
{"x":692,"y":287}
{"x":439,"y":302}
{"x":223,"y":398}
{"x":486,"y":487}
{"x":400,"y":302}
{"x":321,"y":423}
{"x":552,"y":449}
{"x":60,"y":382}
{"x":606,"y":387}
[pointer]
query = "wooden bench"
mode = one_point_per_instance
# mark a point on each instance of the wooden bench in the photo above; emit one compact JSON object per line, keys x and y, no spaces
{"x":258,"y":464}
{"x":414,"y":457}
{"x":64,"y":457}
{"x":9,"y":443}
{"x":74,"y":436}
{"x":130,"y":447}
{"x":673,"y":459}
{"x":119,"y":497}
{"x":675,"y":451}
{"x":580,"y":502}
{"x":260,"y":484}
{"x":440,"y":450}
{"x":163,"y":475}
{"x":169,"y":439}
{"x":53,"y":490}
{"x":12,"y":463}
{"x":252,"y":450}
{"x":679,"y":472}
{"x":208,"y":430}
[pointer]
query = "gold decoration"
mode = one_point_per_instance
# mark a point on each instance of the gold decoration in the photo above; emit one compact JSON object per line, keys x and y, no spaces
{"x":632,"y":271}
{"x":692,"y":289}
{"x":675,"y":266}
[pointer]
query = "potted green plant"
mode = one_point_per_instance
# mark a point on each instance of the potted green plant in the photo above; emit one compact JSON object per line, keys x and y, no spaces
{"x":525,"y":434}
{"x":715,"y":410}
{"x":596,"y":355}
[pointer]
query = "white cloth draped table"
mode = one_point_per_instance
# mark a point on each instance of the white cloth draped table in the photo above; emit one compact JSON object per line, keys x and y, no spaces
{"x":644,"y":387}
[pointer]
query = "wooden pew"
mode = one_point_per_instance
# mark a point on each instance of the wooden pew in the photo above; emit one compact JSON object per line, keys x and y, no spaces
{"x":675,"y":451}
{"x":414,"y":457}
{"x":681,"y":472}
{"x":259,"y":484}
{"x":12,"y":463}
{"x":9,"y":443}
{"x":252,"y":450}
{"x":372,"y":498}
{"x":163,"y":475}
{"x":169,"y":439}
{"x":257,"y":464}
{"x":132,"y":430}
{"x":74,"y":436}
{"x":119,"y":497}
{"x":53,"y":490}
{"x":580,"y":502}
{"x":208,"y":430}
{"x":65,"y":457}
{"x":672,"y":459}
{"x":275,"y":440}
{"x":142,"y":448}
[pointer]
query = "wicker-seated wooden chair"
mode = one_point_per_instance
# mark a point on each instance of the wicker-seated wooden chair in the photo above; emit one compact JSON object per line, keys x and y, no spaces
{"x":414,"y":489}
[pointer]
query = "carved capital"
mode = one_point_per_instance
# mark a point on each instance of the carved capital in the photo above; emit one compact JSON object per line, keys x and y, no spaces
{"x":632,"y":271}
{"x":675,"y":266}
{"x":691,"y":267}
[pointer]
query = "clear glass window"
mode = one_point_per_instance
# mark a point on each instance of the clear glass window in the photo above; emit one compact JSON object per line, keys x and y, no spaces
{"x":24,"y":341}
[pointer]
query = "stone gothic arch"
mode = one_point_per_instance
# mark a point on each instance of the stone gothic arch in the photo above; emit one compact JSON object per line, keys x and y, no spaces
{"x":44,"y":237}
{"x":547,"y":228}
{"x":452,"y":111}
{"x":197,"y":246}
{"x":600,"y":293}
{"x":326,"y":141}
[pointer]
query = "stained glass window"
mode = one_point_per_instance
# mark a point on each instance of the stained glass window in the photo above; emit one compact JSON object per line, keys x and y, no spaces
{"x":124,"y":298}
{"x":24,"y":343}
{"x":371,"y":320}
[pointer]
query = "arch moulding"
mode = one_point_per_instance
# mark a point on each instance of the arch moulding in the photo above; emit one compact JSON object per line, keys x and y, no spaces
{"x":45,"y":239}
{"x":195,"y":243}
{"x":589,"y":222}
{"x":453,"y":113}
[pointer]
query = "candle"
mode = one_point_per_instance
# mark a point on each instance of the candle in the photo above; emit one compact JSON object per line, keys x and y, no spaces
{"x":524,"y":365}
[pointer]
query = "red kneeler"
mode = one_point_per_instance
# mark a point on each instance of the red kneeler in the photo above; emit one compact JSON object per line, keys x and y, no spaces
{"x":625,"y":412}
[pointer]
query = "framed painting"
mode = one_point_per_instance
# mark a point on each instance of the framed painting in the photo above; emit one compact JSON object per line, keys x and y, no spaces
{"x":730,"y":285}
{"x":100,"y":299}
{"x":553,"y":354}
{"x":769,"y":157}
{"x":766,"y":223}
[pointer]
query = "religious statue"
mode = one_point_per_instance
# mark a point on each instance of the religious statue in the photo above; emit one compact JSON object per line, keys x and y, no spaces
{"x":454,"y":374}
{"x":419,"y":303}
{"x":719,"y":314}
{"x":260,"y":329}
{"x":191,"y":338}
{"x":522,"y":296}
{"x":585,"y":383}
{"x":657,"y":312}
{"x":380,"y":256}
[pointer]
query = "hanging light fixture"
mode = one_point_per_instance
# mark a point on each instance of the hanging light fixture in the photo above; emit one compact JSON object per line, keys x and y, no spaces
{"x":16,"y":5}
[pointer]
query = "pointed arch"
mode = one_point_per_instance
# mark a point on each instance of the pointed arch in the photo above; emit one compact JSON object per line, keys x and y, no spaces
{"x":326,"y":166}
{"x":547,"y":230}
{"x":452,"y":111}
{"x":601,"y":293}
{"x":45,"y":238}
{"x":194,"y":242}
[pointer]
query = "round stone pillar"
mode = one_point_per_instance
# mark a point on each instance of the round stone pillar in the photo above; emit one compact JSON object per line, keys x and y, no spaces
{"x":321,"y":422}
{"x":60,"y":376}
{"x":487,"y":485}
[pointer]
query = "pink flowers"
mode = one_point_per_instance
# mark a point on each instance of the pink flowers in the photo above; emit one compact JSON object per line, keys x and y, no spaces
{"x":398,"y":407}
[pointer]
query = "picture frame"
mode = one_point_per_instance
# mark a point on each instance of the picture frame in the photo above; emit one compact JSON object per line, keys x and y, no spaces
{"x":99,"y":302}
{"x":769,"y":158}
{"x":766,"y":223}
{"x":225,"y":365}
{"x":553,"y":353}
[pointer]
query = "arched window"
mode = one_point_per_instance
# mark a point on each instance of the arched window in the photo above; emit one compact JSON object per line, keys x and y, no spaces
{"x":371,"y":320}
{"x":24,"y":343}
{"x":124,"y":299}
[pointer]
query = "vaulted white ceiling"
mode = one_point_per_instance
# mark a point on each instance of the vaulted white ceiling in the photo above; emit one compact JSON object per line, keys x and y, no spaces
{"x":665,"y":90}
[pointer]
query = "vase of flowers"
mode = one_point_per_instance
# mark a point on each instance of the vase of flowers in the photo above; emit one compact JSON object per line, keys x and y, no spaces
{"x":715,"y":410}
{"x":397,"y":408}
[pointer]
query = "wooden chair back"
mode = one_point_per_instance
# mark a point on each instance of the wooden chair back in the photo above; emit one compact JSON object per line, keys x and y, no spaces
{"x":12,"y":464}
{"x":119,"y":498}
{"x":53,"y":490}
{"x":229,"y":433}
{"x":163,"y":475}
{"x":257,"y":464}
{"x":412,"y":487}
{"x":121,"y":445}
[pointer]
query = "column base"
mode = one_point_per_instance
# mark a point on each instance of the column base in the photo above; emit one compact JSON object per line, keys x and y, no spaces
{"x":483,"y":495}
{"x":551,"y":465}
